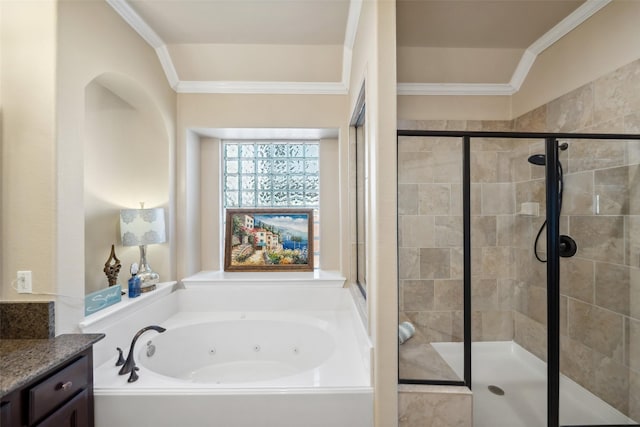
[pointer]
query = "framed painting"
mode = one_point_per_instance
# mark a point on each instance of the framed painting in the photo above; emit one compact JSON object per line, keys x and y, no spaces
{"x":269,"y":240}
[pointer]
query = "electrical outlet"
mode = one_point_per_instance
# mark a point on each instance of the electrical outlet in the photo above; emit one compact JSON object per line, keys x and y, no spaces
{"x":24,"y":282}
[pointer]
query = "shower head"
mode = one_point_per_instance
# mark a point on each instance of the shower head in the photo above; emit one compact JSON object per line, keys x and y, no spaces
{"x":540,"y":159}
{"x":537,"y":159}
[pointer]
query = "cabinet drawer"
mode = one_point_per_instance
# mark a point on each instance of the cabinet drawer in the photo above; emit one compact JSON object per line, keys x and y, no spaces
{"x":75,"y":413}
{"x":57,"y":389}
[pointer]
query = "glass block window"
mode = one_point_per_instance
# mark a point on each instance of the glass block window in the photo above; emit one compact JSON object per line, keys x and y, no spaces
{"x":271,"y":174}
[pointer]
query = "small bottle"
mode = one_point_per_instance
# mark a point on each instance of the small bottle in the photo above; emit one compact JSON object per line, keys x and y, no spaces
{"x":134,"y":282}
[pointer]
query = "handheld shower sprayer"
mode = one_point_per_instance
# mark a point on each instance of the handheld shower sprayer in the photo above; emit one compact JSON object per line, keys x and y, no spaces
{"x":568,"y":246}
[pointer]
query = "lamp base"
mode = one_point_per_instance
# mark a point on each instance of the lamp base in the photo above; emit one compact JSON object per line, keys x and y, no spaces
{"x":147,"y":276}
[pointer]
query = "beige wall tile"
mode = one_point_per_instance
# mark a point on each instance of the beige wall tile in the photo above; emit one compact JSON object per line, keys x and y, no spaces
{"x":577,"y":198}
{"x":409,"y":263}
{"x":419,"y":360}
{"x":416,"y":231}
{"x":634,"y":395}
{"x":596,"y":328}
{"x":417,"y":295}
{"x":571,"y":111}
{"x":612,"y":383}
{"x":448,"y":231}
{"x":577,"y":362}
{"x":632,"y":240}
{"x":436,"y":326}
{"x":457,"y":263}
{"x":616,"y":93}
{"x":433,"y":199}
{"x":533,"y":121}
{"x":577,"y":278}
{"x":413,"y":144}
{"x":498,"y":199}
{"x":476,"y":199}
{"x":531,"y":192}
{"x":632,"y":345}
{"x":434,"y":410}
{"x":506,"y":289}
{"x":408,"y":199}
{"x":599,"y":237}
{"x":483,"y":231}
{"x":613,"y":186}
{"x":593,"y":154}
{"x":496,"y":262}
{"x":507,"y":230}
{"x":415,"y":167}
{"x":531,"y":335}
{"x":483,"y":166}
{"x":612,"y":287}
{"x":447,"y":166}
{"x":484,"y":294}
{"x":435,"y":263}
{"x":492,"y":325}
{"x":532,"y":302}
{"x":449,"y":295}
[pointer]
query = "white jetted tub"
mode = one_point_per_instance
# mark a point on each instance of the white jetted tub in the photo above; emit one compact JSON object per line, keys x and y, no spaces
{"x":237,"y":352}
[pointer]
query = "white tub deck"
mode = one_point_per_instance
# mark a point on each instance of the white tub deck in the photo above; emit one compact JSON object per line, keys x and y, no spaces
{"x":523,"y":377}
{"x":337,"y":392}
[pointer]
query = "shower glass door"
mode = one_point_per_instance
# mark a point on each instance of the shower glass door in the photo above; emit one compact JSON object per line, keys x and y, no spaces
{"x":600,"y":285}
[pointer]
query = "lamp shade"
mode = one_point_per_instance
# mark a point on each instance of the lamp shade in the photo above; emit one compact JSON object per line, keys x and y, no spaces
{"x":140,"y":227}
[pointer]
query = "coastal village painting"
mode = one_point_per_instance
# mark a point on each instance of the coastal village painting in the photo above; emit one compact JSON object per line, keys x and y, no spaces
{"x":269,"y":240}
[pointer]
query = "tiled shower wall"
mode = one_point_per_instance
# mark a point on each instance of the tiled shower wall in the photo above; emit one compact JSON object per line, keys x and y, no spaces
{"x":600,"y":286}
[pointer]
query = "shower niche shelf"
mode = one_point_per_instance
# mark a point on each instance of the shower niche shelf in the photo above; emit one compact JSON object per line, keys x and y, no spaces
{"x":529,"y":209}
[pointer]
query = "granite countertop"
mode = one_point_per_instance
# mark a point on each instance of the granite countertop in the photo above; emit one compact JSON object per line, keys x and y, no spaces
{"x":22,"y":360}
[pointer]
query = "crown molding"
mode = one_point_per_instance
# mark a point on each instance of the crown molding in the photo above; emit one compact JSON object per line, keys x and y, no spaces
{"x":131,"y":17}
{"x":573,"y":20}
{"x":168,"y":67}
{"x":444,"y":89}
{"x":353,"y":18}
{"x":562,"y":28}
{"x":275,"y":88}
{"x":577,"y":17}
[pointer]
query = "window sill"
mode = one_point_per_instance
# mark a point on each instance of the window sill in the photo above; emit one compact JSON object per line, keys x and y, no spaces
{"x":294,"y":278}
{"x":128,"y":305}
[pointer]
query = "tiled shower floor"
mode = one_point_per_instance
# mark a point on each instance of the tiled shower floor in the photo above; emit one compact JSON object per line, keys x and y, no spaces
{"x":522,"y":376}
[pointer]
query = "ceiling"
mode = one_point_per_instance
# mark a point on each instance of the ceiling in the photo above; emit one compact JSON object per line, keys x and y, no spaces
{"x":195,"y":37}
{"x":286,"y":22}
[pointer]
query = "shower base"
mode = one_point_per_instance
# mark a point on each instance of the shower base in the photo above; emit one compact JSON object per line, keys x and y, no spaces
{"x":523,"y":378}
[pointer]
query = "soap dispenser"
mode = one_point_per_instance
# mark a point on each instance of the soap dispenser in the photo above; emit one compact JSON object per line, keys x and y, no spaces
{"x":134,"y":282}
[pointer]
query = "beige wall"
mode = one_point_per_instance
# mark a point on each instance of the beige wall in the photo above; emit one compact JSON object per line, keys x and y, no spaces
{"x":456,"y":65}
{"x":198,"y":200}
{"x":28,"y":151}
{"x":374,"y":64}
{"x":93,"y":40}
{"x":605,"y":42}
{"x":126,"y":161}
{"x":44,"y":115}
{"x":419,"y":107}
{"x":241,"y":62}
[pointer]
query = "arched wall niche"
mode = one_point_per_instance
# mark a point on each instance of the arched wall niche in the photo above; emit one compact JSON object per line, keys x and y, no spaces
{"x":126,"y":161}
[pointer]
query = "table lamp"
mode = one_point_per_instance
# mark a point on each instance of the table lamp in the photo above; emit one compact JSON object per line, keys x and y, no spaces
{"x":142,"y":227}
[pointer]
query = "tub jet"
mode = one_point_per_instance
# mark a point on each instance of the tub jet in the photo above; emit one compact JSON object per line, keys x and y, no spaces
{"x":496,"y":390}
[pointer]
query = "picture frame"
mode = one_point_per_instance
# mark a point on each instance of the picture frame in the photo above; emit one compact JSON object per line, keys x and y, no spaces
{"x":269,"y":240}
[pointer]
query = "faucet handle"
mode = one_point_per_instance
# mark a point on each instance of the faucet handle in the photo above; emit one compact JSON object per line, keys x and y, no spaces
{"x":120,"y":358}
{"x":134,"y":376}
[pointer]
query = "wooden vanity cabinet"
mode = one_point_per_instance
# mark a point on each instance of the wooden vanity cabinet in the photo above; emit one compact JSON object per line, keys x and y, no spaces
{"x":60,"y":397}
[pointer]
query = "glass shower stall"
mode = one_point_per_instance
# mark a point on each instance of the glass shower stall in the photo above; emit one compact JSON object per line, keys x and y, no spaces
{"x":519,"y":273}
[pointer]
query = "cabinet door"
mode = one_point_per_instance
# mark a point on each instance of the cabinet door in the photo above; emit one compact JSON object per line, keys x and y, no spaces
{"x":74,"y":413}
{"x":5,"y":414}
